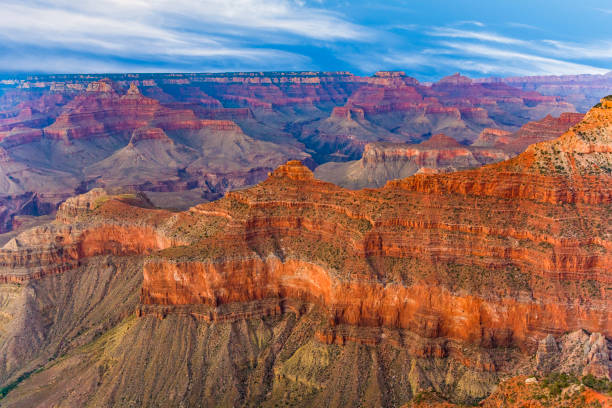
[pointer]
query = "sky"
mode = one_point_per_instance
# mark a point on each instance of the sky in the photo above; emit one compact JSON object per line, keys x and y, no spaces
{"x":427,"y":39}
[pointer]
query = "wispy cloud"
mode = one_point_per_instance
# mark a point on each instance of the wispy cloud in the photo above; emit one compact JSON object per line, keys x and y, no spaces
{"x":491,"y":53}
{"x":523,"y":26}
{"x":170,"y":30}
{"x":603,"y":10}
{"x":362,"y":35}
{"x":470,"y":22}
{"x":474,"y":35}
{"x":600,"y":50}
{"x":527,"y":64}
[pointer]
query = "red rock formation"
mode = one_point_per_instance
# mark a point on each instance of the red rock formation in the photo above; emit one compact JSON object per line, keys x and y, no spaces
{"x":583,"y":91}
{"x":19,"y":135}
{"x":149,"y":133}
{"x":523,"y":391}
{"x":396,"y":108}
{"x":381,"y":162}
{"x":444,"y":256}
{"x":448,"y":268}
{"x":56,"y":248}
{"x":491,"y":137}
{"x":102,"y":112}
{"x":331,"y":274}
{"x":533,"y":132}
{"x":58,"y":125}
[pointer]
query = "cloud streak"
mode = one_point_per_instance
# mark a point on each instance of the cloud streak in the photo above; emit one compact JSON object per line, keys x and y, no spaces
{"x":179,"y":31}
{"x":257,"y":35}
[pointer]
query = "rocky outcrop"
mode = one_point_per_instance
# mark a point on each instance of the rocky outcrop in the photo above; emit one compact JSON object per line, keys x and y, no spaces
{"x":533,"y":132}
{"x":523,"y":391}
{"x":577,"y":353}
{"x":82,"y":231}
{"x":303,"y":256}
{"x":120,"y":139}
{"x":359,"y":255}
{"x":74,"y":131}
{"x":382,"y":162}
{"x":392,"y":107}
{"x":583,"y":91}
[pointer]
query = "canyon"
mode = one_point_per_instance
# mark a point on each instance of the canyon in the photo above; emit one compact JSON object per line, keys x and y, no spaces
{"x":296,"y":291}
{"x":188,"y":138}
{"x":381,"y":162}
{"x":582,"y":91}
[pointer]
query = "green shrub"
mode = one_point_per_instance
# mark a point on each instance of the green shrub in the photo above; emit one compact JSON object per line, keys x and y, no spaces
{"x":598,"y":384}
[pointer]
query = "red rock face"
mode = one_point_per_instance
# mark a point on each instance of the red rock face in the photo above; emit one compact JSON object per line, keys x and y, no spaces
{"x":381,"y":162}
{"x":533,"y":132}
{"x":335,"y":275}
{"x":100,"y":113}
{"x":583,"y":91}
{"x":55,"y":248}
{"x":498,"y":256}
{"x":392,"y":107}
{"x":149,"y":134}
{"x":20,"y":135}
{"x":474,"y":271}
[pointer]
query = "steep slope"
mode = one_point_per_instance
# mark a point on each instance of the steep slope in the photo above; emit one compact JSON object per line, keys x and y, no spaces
{"x":583,"y":91}
{"x":19,"y":184}
{"x":104,"y":135}
{"x":542,"y":130}
{"x":76,"y":129}
{"x":343,"y":135}
{"x":392,"y":107}
{"x":381,"y":162}
{"x":150,"y":155}
{"x":296,"y":291}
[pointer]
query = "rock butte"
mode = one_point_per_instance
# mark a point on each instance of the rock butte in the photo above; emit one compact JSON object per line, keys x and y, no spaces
{"x":381,"y":161}
{"x":66,"y":133}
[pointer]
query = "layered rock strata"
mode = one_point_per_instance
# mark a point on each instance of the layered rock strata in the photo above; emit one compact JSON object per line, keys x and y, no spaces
{"x":501,"y":255}
{"x":459,"y":274}
{"x":381,"y":162}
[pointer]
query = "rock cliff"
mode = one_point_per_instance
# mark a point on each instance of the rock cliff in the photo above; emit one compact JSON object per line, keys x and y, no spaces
{"x":382,"y":162}
{"x":542,"y":130}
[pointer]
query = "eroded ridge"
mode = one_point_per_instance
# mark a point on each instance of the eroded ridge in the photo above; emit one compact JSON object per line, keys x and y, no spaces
{"x":498,"y":256}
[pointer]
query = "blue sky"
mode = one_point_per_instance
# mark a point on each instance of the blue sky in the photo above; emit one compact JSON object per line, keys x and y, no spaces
{"x":426,"y":38}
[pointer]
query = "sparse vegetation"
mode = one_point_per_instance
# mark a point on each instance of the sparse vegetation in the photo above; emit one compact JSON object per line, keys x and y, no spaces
{"x":11,"y":386}
{"x":602,"y":385}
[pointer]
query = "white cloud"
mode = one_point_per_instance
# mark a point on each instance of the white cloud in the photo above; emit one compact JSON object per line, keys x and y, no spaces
{"x":601,"y":50}
{"x":521,"y":61}
{"x":523,"y":26}
{"x":606,"y":11}
{"x":471,"y":22}
{"x":172,"y":29}
{"x":474,"y":35}
{"x":492,"y":53}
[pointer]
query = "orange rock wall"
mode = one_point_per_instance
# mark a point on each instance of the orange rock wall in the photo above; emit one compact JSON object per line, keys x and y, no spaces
{"x":429,"y":311}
